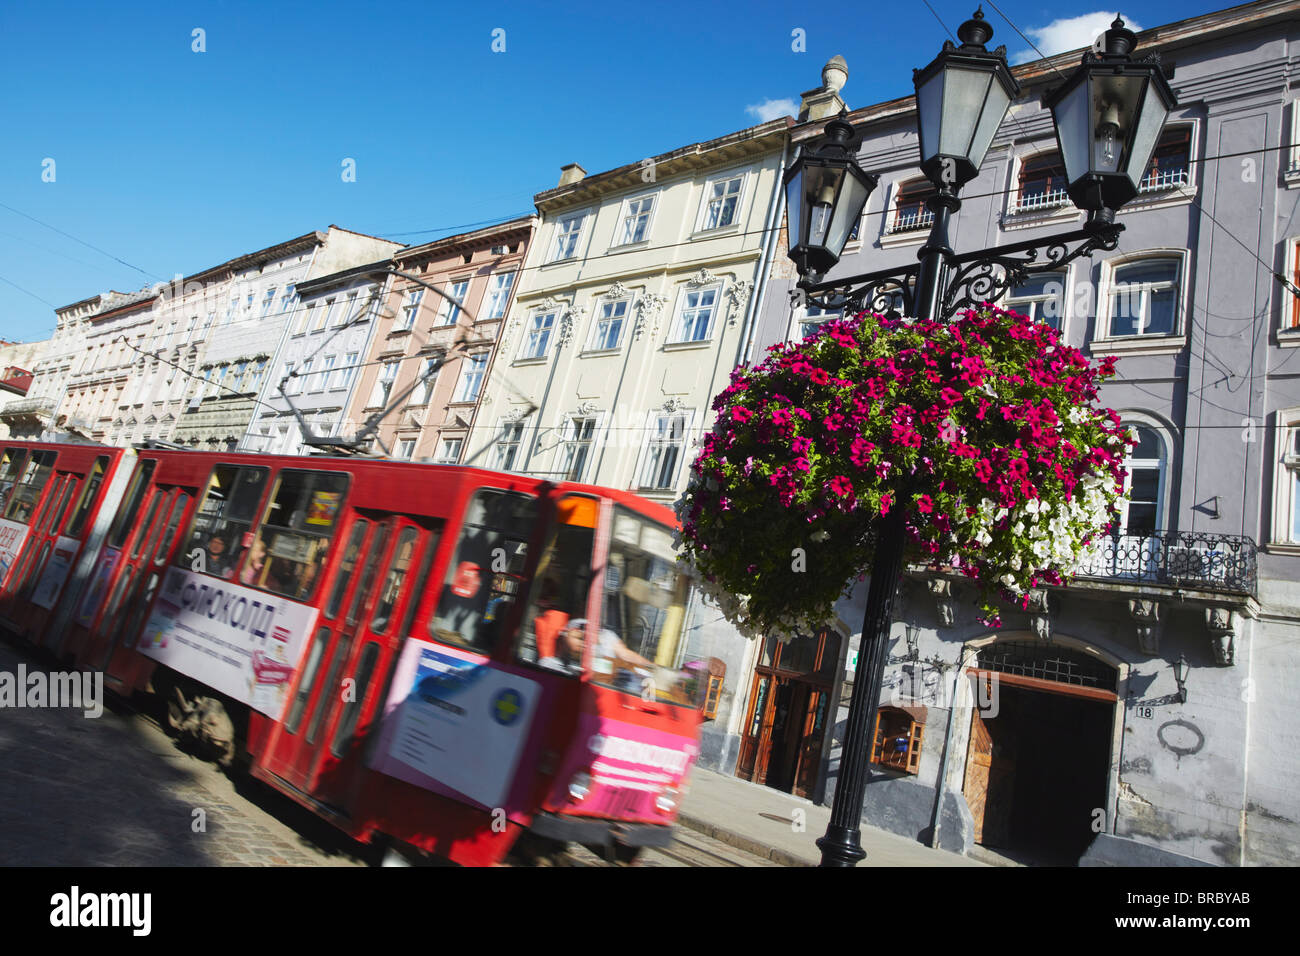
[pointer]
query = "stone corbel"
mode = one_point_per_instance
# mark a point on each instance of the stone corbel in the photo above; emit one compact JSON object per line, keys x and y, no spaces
{"x":1146,"y":615}
{"x":1222,"y":623}
{"x":1040,"y":610}
{"x":941,"y":590}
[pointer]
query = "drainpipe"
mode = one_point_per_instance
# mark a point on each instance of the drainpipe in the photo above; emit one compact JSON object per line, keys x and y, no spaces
{"x":937,"y":815}
{"x":776,"y":207}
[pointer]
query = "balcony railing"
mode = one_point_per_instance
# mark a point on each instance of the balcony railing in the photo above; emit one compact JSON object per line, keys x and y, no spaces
{"x":1204,"y":562}
{"x":1158,"y":179}
{"x":910,"y":220}
{"x":1031,"y":201}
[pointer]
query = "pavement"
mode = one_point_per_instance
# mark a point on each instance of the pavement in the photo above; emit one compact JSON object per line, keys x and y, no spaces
{"x":784,"y":828}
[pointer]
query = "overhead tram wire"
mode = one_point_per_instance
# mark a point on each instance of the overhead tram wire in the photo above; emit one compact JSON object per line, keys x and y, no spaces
{"x":82,"y":241}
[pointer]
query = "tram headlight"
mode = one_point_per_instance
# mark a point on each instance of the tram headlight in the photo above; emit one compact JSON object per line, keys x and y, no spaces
{"x":667,"y":800}
{"x":580,"y":786}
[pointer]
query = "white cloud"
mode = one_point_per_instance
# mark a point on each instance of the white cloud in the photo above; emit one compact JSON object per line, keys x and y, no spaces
{"x":1069,"y":33}
{"x":773,"y":109}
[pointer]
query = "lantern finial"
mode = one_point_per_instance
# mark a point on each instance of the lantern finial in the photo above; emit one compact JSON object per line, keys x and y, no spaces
{"x":974,"y":33}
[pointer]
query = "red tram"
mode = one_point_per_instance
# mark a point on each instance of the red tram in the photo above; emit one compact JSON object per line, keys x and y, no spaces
{"x":441,"y":657}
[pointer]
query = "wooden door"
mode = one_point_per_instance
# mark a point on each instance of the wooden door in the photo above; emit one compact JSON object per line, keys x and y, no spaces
{"x":758,"y":710}
{"x":778,"y":712}
{"x":990,"y":777}
{"x":810,"y":751}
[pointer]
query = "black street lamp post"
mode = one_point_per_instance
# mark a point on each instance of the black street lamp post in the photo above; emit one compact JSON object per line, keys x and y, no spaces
{"x":1108,"y":116}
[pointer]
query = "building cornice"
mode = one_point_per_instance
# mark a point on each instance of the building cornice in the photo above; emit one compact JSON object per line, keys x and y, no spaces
{"x":714,"y":153}
{"x":519,"y":229}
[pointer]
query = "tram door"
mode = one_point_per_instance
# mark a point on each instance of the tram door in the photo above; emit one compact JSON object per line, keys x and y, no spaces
{"x":140,"y":570}
{"x":366,"y":610}
{"x":44,"y":535}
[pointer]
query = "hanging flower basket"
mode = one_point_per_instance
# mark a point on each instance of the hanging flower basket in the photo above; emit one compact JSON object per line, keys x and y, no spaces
{"x":985,"y":430}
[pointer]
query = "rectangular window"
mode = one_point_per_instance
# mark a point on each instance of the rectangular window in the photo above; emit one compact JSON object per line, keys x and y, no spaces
{"x":567,"y":233}
{"x":499,"y":294}
{"x":1144,"y":298}
{"x":696,"y":319}
{"x":721,"y":203}
{"x":449,"y":450}
{"x":1042,"y":182}
{"x":538,"y":337}
{"x":608,"y":328}
{"x":410,"y":310}
{"x":294,"y":538}
{"x":664,"y":450}
{"x":343,"y":377}
{"x":476,"y":594}
{"x":26,"y":491}
{"x":305,"y":320}
{"x":910,"y":212}
{"x":286,"y":299}
{"x":508,"y":445}
{"x":349,"y":310}
{"x":450,"y":312}
{"x":429,"y":378}
{"x":814,"y":318}
{"x":223,"y":519}
{"x":471,"y":377}
{"x":578,"y":436}
{"x":292,"y":383}
{"x":383,"y":385}
{"x":635,"y":226}
{"x":307,"y":377}
{"x":268,"y":302}
{"x":326,"y":315}
{"x":1171,"y":163}
{"x":405,"y":449}
{"x":327,"y":373}
{"x":1040,"y":297}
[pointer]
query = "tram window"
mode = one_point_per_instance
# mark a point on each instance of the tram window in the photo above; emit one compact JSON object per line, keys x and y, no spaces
{"x":367,"y":578}
{"x":11,"y":466}
{"x":329,"y":690}
{"x":173,"y":524}
{"x":293,"y":540}
{"x":89,"y":493}
{"x":308,"y":677}
{"x":560,"y":586}
{"x":484,"y":574}
{"x":346,"y":567}
{"x":348,"y":723}
{"x":643,"y":608}
{"x":57,"y":523}
{"x":224,"y":519}
{"x":392,"y":588}
{"x":26,"y":492}
{"x":426,"y":563}
{"x":148,"y":528}
{"x":125,"y":519}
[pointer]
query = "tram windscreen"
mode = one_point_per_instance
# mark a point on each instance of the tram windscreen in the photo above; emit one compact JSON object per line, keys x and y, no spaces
{"x":640,"y":645}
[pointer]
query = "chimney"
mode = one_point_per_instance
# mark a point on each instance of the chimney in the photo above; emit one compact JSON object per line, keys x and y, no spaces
{"x":825,"y":101}
{"x":570,"y":174}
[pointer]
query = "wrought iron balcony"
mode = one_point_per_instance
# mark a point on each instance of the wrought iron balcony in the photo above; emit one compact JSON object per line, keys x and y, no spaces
{"x":1175,"y":559}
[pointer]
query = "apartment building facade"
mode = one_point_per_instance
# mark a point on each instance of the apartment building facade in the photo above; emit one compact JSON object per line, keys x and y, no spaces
{"x":422,"y":379}
{"x":1139,"y":715}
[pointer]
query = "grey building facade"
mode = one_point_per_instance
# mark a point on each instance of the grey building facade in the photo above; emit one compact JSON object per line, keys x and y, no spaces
{"x":1065,"y":735}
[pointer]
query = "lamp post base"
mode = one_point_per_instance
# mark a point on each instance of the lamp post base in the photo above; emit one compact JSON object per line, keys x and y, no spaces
{"x":841,"y":846}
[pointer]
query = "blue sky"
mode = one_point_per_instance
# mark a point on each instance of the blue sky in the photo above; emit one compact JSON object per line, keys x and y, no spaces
{"x":168,"y":160}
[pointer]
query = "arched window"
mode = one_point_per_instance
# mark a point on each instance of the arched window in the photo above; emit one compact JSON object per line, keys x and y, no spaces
{"x":1146,"y":465}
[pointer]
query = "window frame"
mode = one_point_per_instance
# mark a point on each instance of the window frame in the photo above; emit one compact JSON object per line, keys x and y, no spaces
{"x":679,"y":315}
{"x":594,"y":343}
{"x":527,"y":337}
{"x":619,"y":240}
{"x":449,"y":312}
{"x":701,"y":217}
{"x":468,"y":365}
{"x":1284,"y":533}
{"x":1154,"y":342}
{"x":558,"y":233}
{"x":891,"y":233}
{"x":648,"y":444}
{"x":1066,"y":277}
{"x":492,"y":311}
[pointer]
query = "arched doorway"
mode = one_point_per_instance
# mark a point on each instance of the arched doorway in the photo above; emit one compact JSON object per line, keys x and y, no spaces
{"x":789,"y":705}
{"x":1038,"y":760}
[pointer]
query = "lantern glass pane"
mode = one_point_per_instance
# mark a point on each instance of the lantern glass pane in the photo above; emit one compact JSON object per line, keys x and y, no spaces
{"x":929,"y":107}
{"x":1074,"y":129}
{"x":848,"y":209}
{"x":964,"y":93}
{"x":995,"y":111}
{"x":794,"y":209}
{"x":822,"y":187}
{"x":1149,"y":125}
{"x":1116,"y":98}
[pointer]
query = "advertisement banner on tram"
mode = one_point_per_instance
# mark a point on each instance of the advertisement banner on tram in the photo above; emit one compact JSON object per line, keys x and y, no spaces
{"x":238,"y":640}
{"x":12,"y":536}
{"x":453,"y":721}
{"x":56,"y":572}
